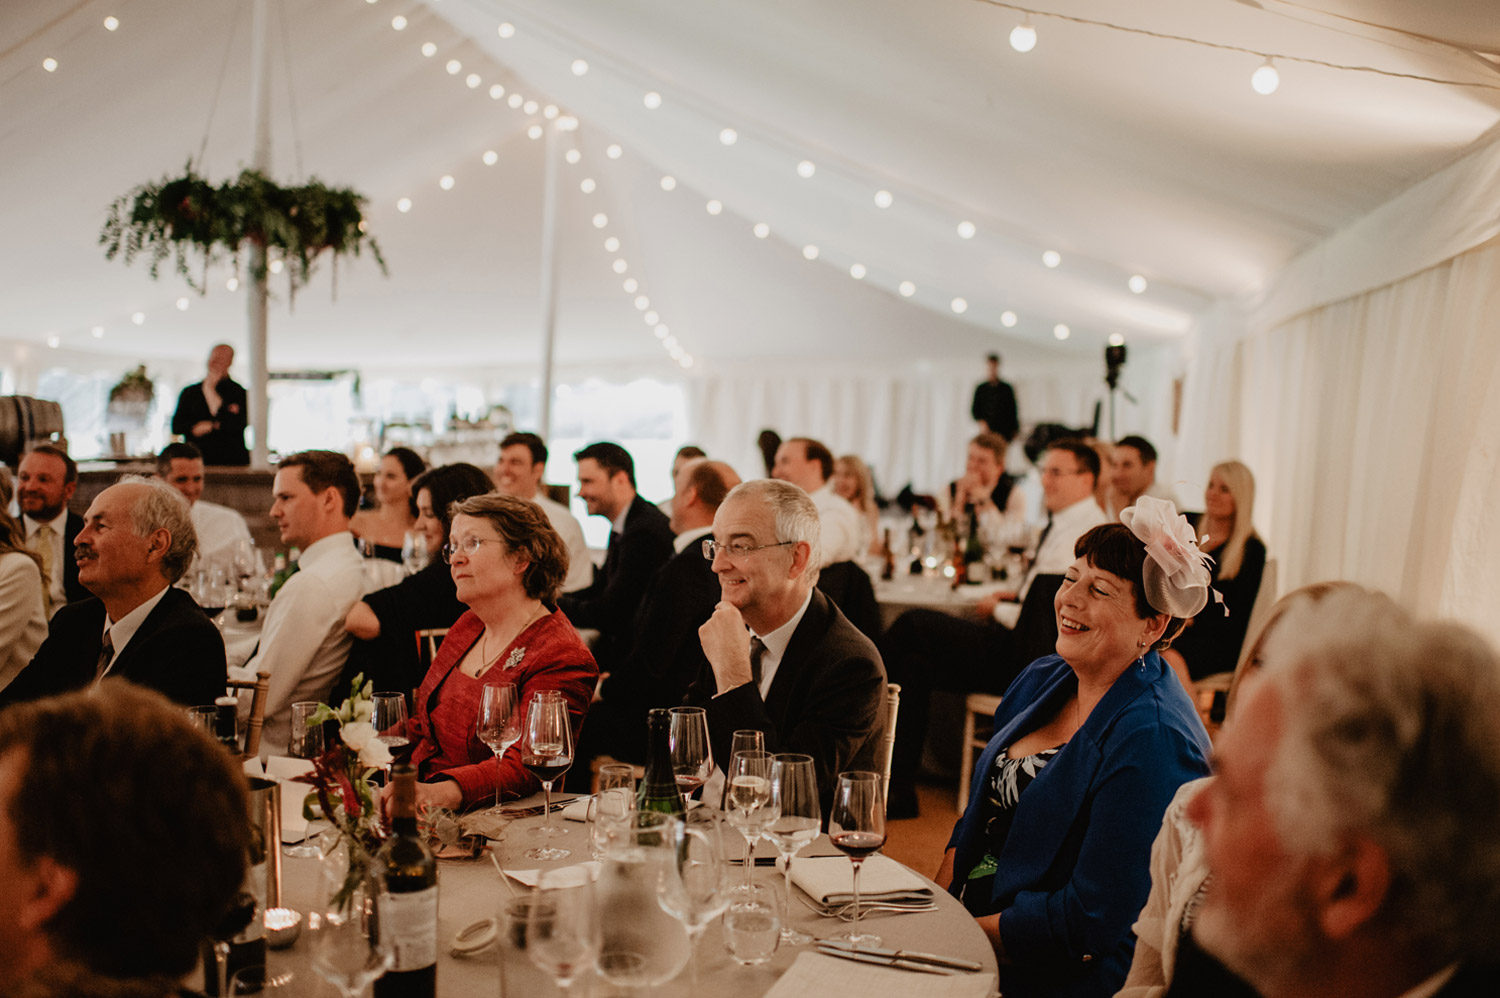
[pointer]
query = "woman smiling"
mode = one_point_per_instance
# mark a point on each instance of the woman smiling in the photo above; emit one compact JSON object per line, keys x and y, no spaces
{"x":1052,"y":854}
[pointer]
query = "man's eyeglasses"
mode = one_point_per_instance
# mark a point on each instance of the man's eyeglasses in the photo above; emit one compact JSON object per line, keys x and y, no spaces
{"x":736,"y":549}
{"x":469,"y":545}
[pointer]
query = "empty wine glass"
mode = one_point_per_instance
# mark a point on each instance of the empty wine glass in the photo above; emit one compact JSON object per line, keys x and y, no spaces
{"x":414,"y":553}
{"x":388,"y":715}
{"x":306,"y":742}
{"x":794,"y":793}
{"x":499,"y":723}
{"x":547,"y":752}
{"x":748,"y":800}
{"x":349,"y":949}
{"x":692,"y":758}
{"x":692,"y":888}
{"x":856,"y":826}
{"x":562,"y":933}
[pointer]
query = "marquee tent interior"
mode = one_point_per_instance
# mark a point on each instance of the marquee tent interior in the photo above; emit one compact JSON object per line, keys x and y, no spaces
{"x":1317,"y":265}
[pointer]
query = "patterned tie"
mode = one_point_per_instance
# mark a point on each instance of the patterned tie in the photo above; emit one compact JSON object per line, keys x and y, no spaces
{"x":106,"y":655}
{"x":41,"y":543}
{"x":757,"y":650}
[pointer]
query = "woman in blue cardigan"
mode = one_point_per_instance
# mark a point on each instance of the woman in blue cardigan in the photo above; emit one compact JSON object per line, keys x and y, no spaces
{"x":1053,"y":853}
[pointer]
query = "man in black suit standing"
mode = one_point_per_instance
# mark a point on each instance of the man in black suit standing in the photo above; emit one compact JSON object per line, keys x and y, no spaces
{"x":994,"y":404}
{"x":640,"y":542}
{"x":665,"y":654}
{"x":783,"y":659}
{"x":47,"y":479}
{"x":137,"y":539}
{"x":212,"y":413}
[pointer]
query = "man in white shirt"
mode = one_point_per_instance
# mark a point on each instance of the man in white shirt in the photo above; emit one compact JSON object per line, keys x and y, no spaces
{"x":928,"y":650}
{"x":518,"y":472}
{"x":1352,"y":828}
{"x":303,"y":644}
{"x":46,"y":480}
{"x":219,"y":528}
{"x":808,"y":464}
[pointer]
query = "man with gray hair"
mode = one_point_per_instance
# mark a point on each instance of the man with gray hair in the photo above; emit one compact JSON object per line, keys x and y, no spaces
{"x":137,"y":540}
{"x":783,"y":658}
{"x":1353,"y":830}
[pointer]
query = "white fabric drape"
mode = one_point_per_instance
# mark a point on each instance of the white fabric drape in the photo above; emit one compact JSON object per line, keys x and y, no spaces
{"x":1373,"y":427}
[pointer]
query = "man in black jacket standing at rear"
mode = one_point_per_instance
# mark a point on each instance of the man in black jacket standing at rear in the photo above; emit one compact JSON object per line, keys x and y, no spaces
{"x":212,"y":413}
{"x":640,"y":542}
{"x":137,"y":539}
{"x":994,"y":404}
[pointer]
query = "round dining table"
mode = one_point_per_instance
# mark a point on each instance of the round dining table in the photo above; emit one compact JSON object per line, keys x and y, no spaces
{"x":472,"y":889}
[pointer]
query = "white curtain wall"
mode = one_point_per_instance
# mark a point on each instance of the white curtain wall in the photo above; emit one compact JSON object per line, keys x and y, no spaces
{"x":1373,"y":427}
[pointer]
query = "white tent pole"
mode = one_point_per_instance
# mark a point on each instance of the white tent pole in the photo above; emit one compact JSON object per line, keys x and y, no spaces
{"x":260,"y":159}
{"x":549,"y":277}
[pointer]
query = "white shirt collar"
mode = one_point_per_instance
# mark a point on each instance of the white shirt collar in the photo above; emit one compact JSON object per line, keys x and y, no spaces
{"x":776,"y":644}
{"x":617,"y":525}
{"x":59,"y":524}
{"x":324,"y":547}
{"x":682,"y":540}
{"x":121,"y":631}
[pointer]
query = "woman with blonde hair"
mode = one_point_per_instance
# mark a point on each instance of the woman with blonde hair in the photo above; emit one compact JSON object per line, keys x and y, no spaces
{"x":23,"y":618}
{"x":853,"y":481}
{"x":1211,"y":644}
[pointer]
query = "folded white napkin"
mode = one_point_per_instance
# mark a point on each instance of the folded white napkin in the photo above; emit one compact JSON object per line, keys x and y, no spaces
{"x":531,"y":877}
{"x":830,"y":977}
{"x":830,"y":879}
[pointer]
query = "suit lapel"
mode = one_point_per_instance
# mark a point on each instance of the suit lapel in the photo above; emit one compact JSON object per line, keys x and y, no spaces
{"x":789,"y":672}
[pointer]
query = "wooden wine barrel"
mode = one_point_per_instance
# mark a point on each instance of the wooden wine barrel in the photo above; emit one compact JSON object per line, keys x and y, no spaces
{"x":24,"y":421}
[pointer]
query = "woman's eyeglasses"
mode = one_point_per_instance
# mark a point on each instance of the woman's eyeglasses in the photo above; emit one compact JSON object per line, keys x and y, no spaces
{"x":469,"y":545}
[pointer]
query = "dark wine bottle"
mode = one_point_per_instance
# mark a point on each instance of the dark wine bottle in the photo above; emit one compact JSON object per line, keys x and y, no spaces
{"x":407,"y":871}
{"x":658,"y":790}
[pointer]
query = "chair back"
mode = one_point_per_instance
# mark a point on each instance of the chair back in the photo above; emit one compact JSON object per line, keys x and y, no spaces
{"x":258,"y":697}
{"x":428,"y":640}
{"x":888,"y":740}
{"x":848,"y":585}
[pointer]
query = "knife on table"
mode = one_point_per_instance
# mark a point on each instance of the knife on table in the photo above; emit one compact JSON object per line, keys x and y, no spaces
{"x":898,"y":963}
{"x":930,"y":959}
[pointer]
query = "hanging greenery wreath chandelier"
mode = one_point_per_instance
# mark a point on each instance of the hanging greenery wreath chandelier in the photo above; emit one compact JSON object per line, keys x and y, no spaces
{"x":187,"y":218}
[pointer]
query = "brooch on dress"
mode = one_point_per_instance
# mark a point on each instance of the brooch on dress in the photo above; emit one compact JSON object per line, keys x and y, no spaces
{"x":515,"y":658}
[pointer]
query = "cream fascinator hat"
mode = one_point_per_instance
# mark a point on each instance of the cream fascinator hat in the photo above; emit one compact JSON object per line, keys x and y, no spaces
{"x":1176,"y":573}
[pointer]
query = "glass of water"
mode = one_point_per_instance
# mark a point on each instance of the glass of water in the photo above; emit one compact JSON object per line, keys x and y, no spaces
{"x":752,"y":925}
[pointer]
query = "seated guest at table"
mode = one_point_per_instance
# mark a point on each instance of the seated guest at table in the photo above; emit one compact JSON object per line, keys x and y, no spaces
{"x":303,"y":643}
{"x":1132,"y":474}
{"x":137,"y":540}
{"x":640,"y":542}
{"x":986,"y":491}
{"x":666,"y":656}
{"x":45,"y":482}
{"x":685,"y":455}
{"x":507,"y":564}
{"x":807,"y":464}
{"x":212,"y":414}
{"x":124,"y":840}
{"x":382,"y":531}
{"x":1052,"y":854}
{"x":1212,"y":641}
{"x":1179,"y":869}
{"x":853,"y":483}
{"x":928,"y":650}
{"x":1353,"y":830}
{"x":219,"y":528}
{"x":520,"y":472}
{"x":782,"y":658}
{"x":23,"y":614}
{"x":384,"y":623}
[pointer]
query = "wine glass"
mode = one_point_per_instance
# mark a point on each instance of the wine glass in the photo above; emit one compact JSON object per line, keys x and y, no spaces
{"x":414,"y":553}
{"x":306,"y":742}
{"x":692,"y":758}
{"x":794,"y":794}
{"x":349,"y":949}
{"x":743,"y":740}
{"x":692,"y":888}
{"x":562,"y":933}
{"x":748,"y":800}
{"x":856,"y":827}
{"x":499,"y":723}
{"x":388,"y":715}
{"x":259,"y":979}
{"x":547,"y":752}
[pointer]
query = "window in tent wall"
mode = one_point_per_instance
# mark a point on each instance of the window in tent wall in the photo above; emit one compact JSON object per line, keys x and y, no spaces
{"x":310,"y":412}
{"x":84,"y":397}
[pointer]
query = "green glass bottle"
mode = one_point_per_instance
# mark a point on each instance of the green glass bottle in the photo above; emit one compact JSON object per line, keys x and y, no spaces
{"x":658,"y":790}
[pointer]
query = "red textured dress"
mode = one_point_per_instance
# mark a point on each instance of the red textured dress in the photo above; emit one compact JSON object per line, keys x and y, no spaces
{"x":548,"y":655}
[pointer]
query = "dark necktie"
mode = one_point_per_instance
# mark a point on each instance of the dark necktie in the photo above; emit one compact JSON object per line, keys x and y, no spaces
{"x":106,"y":655}
{"x":757,"y":651}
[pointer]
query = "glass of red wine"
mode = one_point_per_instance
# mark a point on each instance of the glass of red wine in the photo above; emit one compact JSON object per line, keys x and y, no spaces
{"x":547,"y":752}
{"x":692,"y":758}
{"x":856,"y":826}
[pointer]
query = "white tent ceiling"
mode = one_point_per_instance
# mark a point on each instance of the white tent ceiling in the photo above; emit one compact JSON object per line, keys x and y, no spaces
{"x":1124,"y":151}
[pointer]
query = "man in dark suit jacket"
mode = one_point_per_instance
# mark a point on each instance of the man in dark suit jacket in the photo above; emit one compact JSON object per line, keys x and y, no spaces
{"x":212,"y":413}
{"x":666,"y":656}
{"x":994,"y":403}
{"x":801,"y":672}
{"x":639,"y":545}
{"x":47,"y":478}
{"x":137,"y":626}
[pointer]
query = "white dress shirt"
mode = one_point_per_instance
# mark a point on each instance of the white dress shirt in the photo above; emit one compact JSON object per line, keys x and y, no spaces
{"x":303,"y":644}
{"x":681,"y":541}
{"x":1055,"y":554}
{"x":580,"y":565}
{"x":218,"y":528}
{"x":840,"y":526}
{"x":121,"y":631}
{"x":60,"y":551}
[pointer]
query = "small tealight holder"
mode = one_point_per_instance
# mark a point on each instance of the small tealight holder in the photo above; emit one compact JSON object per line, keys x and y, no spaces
{"x":283,"y":926}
